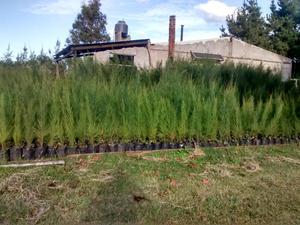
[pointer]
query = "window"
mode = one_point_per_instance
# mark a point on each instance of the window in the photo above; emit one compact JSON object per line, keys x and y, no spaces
{"x":207,"y":57}
{"x":122,"y":59}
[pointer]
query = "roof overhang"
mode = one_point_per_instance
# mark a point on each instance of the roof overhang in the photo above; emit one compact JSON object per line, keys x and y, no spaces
{"x":89,"y":49}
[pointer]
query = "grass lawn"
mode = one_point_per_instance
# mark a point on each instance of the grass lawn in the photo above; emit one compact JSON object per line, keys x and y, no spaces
{"x":210,"y":186}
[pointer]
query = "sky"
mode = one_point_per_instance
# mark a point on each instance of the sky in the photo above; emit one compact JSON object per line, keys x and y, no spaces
{"x":38,"y":24}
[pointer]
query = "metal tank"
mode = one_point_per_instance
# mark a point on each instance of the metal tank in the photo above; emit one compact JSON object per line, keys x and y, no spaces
{"x":121,"y":31}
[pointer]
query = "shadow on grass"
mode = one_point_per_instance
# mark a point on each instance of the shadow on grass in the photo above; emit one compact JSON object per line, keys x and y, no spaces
{"x":119,"y":201}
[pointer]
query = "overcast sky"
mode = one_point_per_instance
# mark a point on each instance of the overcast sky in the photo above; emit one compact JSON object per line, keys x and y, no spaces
{"x":39,"y":23}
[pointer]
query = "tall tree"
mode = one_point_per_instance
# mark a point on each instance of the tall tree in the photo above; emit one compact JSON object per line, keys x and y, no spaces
{"x":89,"y":26}
{"x":23,"y":57}
{"x":7,"y":57}
{"x":57,"y":47}
{"x":248,"y":24}
{"x":282,"y":25}
{"x":297,"y":7}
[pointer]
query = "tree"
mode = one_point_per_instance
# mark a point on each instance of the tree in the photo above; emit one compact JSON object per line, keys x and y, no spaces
{"x":248,"y":25}
{"x":89,"y":26}
{"x":297,"y":9}
{"x":7,"y":57}
{"x":282,"y":26}
{"x":57,"y":47}
{"x":23,"y":57}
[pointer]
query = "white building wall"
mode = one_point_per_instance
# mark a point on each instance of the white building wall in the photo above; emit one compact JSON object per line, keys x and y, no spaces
{"x":231,"y":49}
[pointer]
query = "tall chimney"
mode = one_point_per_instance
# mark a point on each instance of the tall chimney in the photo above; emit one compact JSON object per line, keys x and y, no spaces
{"x":172,"y":31}
{"x":181,"y":34}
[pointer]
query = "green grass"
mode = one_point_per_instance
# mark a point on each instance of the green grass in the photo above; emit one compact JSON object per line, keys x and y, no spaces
{"x":106,"y":103}
{"x":259,"y":185}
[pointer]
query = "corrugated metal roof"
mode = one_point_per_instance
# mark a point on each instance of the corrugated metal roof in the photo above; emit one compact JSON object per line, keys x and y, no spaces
{"x":89,"y":49}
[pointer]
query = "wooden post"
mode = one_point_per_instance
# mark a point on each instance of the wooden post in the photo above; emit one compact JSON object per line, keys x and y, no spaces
{"x":149,"y":53}
{"x":57,"y":69}
{"x":172,"y":31}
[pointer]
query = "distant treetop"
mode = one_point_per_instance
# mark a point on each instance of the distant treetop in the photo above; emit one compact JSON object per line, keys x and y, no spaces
{"x":89,"y":26}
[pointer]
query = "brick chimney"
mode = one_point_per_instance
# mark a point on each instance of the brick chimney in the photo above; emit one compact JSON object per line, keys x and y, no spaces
{"x":172,"y":33}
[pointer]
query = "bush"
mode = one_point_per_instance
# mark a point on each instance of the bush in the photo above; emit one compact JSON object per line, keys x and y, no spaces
{"x":107,"y":103}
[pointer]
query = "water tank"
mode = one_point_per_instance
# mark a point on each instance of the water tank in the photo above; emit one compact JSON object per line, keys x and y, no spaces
{"x":121,"y":31}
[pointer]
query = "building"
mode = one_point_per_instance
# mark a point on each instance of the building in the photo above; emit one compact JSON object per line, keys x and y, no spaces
{"x":145,"y":54}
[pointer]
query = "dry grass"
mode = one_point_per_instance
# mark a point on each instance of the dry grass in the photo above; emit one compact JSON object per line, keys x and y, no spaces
{"x":207,"y":186}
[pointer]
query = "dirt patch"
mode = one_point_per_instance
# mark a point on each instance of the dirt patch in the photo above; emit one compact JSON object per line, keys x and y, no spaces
{"x":197,"y":153}
{"x":251,"y":166}
{"x":222,"y":170}
{"x":104,"y":176}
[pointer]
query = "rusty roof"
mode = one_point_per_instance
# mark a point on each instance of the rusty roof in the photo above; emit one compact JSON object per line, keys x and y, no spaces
{"x":89,"y":49}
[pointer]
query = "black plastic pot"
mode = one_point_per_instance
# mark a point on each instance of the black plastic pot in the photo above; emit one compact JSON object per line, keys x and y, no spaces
{"x":139,"y":146}
{"x":2,"y":155}
{"x":257,"y":141}
{"x":126,"y":146}
{"x":80,"y":149}
{"x":27,"y":153}
{"x":11,"y":154}
{"x":89,"y":149}
{"x":292,"y":139}
{"x":97,"y":148}
{"x":14,"y":154}
{"x":121,"y":147}
{"x":287,"y":140}
{"x":247,"y":141}
{"x":172,"y":146}
{"x":70,"y":150}
{"x":177,"y":145}
{"x":110,"y":148}
{"x":60,"y":151}
{"x":164,"y":145}
{"x":115,"y":148}
{"x":102,"y":148}
{"x":263,"y":141}
{"x":277,"y":141}
{"x":271,"y":140}
{"x":157,"y":146}
{"x":131,"y":146}
{"x":51,"y":151}
{"x":39,"y":152}
{"x":235,"y":142}
{"x":46,"y":153}
{"x":148,"y":146}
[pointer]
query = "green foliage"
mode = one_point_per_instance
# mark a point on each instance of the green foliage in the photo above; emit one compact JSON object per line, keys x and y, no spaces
{"x":102,"y":103}
{"x":4,"y":133}
{"x":282,"y":26}
{"x":7,"y":57}
{"x":90,"y":25}
{"x":17,"y":128}
{"x":248,"y":24}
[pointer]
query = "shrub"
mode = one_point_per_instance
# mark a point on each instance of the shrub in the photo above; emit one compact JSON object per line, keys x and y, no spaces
{"x":96,"y":103}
